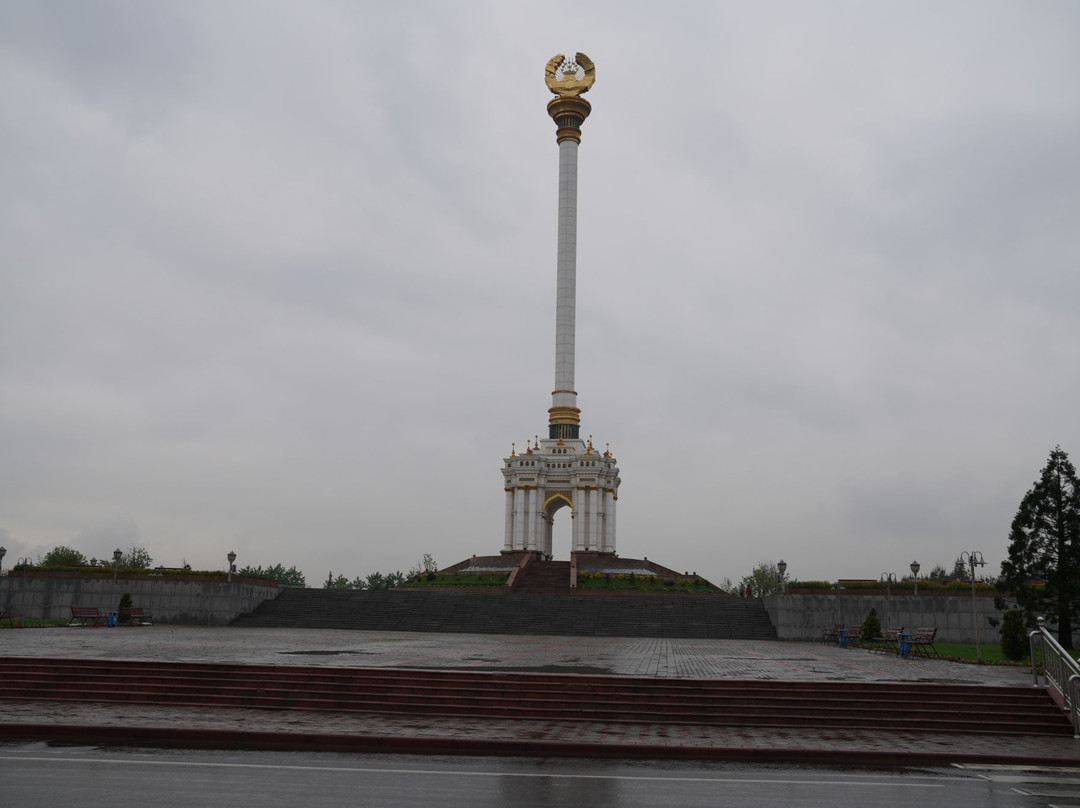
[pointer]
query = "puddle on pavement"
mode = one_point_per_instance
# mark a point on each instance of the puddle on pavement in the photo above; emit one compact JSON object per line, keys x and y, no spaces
{"x":325,"y":653}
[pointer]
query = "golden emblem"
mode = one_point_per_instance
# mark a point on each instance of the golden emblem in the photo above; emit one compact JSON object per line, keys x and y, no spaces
{"x":569,"y":78}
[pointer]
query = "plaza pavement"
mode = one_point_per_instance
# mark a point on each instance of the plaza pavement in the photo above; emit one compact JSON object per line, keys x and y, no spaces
{"x":684,"y":658}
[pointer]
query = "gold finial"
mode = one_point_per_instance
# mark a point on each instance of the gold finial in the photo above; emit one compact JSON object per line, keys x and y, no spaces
{"x":536,"y":441}
{"x":513,"y":452}
{"x":569,"y":78}
{"x":607,"y":451}
{"x":528,"y":449}
{"x":589,"y":448}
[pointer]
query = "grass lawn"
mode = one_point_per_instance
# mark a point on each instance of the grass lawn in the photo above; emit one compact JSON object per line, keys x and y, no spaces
{"x":965,"y":651}
{"x":33,"y":622}
{"x":991,"y":653}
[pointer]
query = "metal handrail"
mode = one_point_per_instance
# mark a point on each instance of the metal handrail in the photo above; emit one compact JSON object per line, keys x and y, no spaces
{"x":1061,"y":671}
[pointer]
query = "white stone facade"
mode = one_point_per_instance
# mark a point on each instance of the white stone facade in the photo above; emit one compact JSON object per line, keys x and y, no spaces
{"x":554,"y":474}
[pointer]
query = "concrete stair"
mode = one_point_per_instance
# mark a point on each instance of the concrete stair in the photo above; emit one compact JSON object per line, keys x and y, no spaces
{"x":607,"y":615}
{"x":540,"y":696}
{"x":545,"y":578}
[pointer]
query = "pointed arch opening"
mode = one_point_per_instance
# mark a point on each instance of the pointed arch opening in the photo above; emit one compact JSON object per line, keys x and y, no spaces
{"x":558,"y":525}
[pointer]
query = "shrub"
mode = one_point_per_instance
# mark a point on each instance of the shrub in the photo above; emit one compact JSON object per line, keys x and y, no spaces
{"x":1014,"y":641}
{"x":871,"y":627}
{"x":824,"y":586}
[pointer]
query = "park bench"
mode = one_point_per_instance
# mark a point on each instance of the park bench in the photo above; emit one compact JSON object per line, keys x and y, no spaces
{"x":853,"y":637}
{"x":846,"y":636}
{"x":88,"y":615}
{"x":922,"y":642}
{"x":887,"y":641}
{"x":135,"y":616}
{"x":831,"y":636}
{"x":11,"y":618}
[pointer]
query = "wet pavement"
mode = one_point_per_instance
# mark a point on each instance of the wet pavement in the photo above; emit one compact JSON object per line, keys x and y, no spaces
{"x":683,"y":658}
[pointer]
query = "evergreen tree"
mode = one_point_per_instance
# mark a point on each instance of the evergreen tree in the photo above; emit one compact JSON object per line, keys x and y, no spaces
{"x":871,"y":627}
{"x":1043,"y":567}
{"x":1014,"y":639}
{"x":939,"y":574}
{"x":341,"y":582}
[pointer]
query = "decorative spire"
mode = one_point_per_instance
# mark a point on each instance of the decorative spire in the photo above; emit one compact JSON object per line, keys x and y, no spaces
{"x":569,"y":79}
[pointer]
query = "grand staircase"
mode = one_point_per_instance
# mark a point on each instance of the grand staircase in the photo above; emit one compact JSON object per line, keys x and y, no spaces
{"x":545,"y":578}
{"x":609,"y":615}
{"x":540,"y":696}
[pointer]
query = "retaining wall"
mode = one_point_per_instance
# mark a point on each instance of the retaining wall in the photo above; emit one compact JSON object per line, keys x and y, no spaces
{"x":203,"y":603}
{"x":804,"y":617}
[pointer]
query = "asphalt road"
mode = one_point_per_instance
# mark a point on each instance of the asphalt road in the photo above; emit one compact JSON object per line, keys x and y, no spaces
{"x":36,"y":775}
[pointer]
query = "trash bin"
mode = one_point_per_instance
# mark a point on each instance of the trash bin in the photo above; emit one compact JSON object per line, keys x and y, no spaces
{"x":113,"y":619}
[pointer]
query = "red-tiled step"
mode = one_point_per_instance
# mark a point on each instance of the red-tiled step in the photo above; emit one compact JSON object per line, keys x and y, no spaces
{"x":884,"y":706}
{"x":545,"y":578}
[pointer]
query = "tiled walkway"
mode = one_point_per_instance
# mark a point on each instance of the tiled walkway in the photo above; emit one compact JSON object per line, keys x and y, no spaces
{"x":684,"y":658}
{"x":726,"y":659}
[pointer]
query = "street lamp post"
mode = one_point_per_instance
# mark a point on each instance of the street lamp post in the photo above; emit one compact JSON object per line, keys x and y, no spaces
{"x":915,"y":571}
{"x":781,"y":569}
{"x":887,"y":578}
{"x":973,"y":559}
{"x":116,"y":556}
{"x":232,"y":567}
{"x":3,"y":552}
{"x":836,"y":590}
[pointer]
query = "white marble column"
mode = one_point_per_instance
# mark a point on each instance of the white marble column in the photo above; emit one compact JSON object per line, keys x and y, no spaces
{"x":508,"y":525}
{"x":579,"y":520}
{"x":526,"y":509}
{"x":519,"y":518}
{"x":564,"y":395}
{"x":596,"y":539}
{"x":609,"y":522}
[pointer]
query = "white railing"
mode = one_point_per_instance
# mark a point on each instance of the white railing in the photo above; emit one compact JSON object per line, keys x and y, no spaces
{"x":1061,"y":671}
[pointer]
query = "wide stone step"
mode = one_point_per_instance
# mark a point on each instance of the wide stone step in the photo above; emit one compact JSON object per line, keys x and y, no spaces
{"x":574,"y":615}
{"x":546,"y":696}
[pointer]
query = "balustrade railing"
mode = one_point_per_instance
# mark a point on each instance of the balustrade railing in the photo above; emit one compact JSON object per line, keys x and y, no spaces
{"x":1061,"y":671}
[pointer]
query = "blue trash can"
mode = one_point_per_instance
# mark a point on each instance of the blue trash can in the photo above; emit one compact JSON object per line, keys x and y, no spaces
{"x":113,"y":619}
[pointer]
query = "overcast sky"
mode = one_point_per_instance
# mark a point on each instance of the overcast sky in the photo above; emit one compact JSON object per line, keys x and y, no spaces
{"x":279,"y":278}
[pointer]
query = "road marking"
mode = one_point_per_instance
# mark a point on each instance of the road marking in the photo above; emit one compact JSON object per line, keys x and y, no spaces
{"x":897,"y":783}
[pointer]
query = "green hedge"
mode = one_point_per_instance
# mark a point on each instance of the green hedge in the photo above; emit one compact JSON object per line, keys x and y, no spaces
{"x":108,"y":571}
{"x":909,"y":586}
{"x":642,"y":583}
{"x":459,"y":579}
{"x":899,"y":588}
